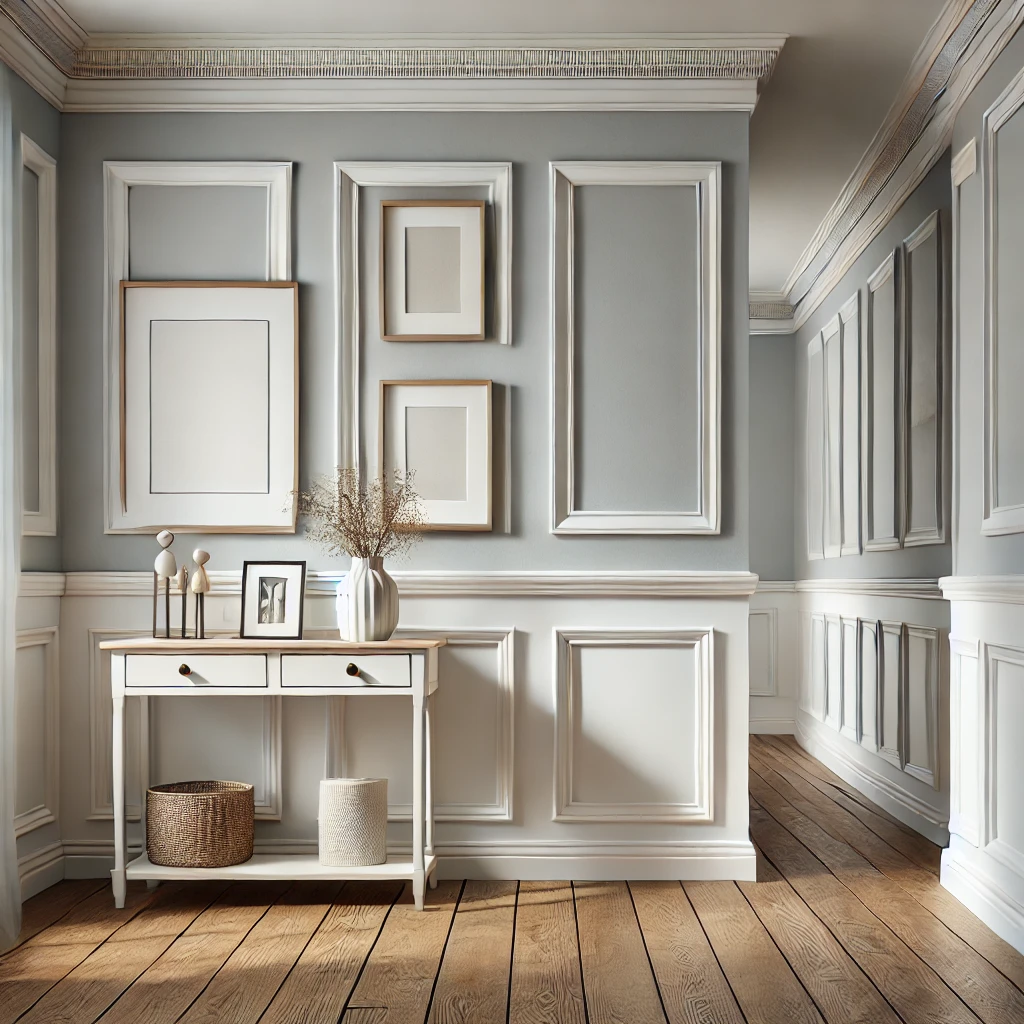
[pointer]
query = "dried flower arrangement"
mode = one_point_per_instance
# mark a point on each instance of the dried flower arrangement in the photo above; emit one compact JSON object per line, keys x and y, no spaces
{"x":381,"y":519}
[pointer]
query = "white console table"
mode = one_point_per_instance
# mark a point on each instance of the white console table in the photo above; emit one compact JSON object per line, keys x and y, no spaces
{"x":300,"y":668}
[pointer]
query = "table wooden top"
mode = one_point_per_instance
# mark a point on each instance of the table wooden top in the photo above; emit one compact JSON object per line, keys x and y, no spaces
{"x":235,"y":645}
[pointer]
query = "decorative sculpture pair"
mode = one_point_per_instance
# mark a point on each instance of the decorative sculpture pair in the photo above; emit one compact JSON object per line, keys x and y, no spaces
{"x":165,"y":568}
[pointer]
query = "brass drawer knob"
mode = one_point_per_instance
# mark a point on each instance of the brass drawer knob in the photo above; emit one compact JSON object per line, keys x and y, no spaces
{"x":352,"y":669}
{"x":184,"y":670}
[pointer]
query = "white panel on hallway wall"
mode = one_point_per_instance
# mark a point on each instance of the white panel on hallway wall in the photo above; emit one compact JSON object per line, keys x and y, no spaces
{"x":119,"y":178}
{"x":705,"y":179}
{"x":764,"y":632}
{"x":831,"y":344}
{"x":349,"y":178}
{"x":920,"y":745}
{"x":36,"y":732}
{"x":881,"y":416}
{"x":1003,"y":758}
{"x":40,"y":238}
{"x":1002,"y":158}
{"x":966,"y":742}
{"x":636,"y":752}
{"x":924,"y":336}
{"x":869,"y":685}
{"x":833,"y":671}
{"x":850,"y":724}
{"x":849,"y":320}
{"x":815,"y":448}
{"x":817,"y":671}
{"x":890,"y":690}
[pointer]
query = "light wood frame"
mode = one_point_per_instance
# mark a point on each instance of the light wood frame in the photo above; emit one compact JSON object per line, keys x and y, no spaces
{"x":387,"y":204}
{"x":124,"y":287}
{"x":381,"y":417}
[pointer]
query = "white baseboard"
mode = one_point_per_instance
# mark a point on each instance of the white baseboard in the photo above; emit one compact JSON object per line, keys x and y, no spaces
{"x":40,"y":870}
{"x":847,"y":759}
{"x":983,"y":897}
{"x":772,"y":727}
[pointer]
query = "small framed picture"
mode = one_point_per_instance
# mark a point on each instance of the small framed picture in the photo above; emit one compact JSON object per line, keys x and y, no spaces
{"x":272,"y":594}
{"x":432,"y":269}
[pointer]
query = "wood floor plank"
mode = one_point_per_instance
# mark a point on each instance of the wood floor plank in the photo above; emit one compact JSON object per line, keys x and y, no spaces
{"x":167,"y":988}
{"x":52,"y":904}
{"x":472,"y":985}
{"x":914,"y":847}
{"x":838,"y":986}
{"x":242,"y":989}
{"x":918,"y":882}
{"x":31,"y":970}
{"x":767,"y":989}
{"x":909,"y":985}
{"x":618,"y":985}
{"x":90,"y":989}
{"x":322,"y":978}
{"x":546,"y":983}
{"x":984,"y":989}
{"x":399,"y":974}
{"x":693,"y":988}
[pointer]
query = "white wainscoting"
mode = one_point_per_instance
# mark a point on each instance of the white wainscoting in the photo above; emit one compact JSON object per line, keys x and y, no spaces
{"x":495,"y":727}
{"x":873,"y":693}
{"x":984,"y":865}
{"x":774,"y":658}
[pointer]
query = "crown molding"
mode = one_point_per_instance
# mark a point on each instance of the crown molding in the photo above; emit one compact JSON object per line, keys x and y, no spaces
{"x":770,"y":313}
{"x":26,"y":58}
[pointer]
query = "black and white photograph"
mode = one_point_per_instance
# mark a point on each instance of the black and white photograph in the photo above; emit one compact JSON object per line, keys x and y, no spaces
{"x":272,"y":597}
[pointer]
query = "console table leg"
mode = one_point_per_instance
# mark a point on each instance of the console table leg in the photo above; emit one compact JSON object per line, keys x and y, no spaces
{"x":419,"y":886}
{"x":419,"y":729}
{"x":117,"y":757}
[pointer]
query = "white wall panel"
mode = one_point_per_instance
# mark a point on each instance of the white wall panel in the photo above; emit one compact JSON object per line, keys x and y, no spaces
{"x":890,"y":686}
{"x":966,"y":741}
{"x":814,"y":433}
{"x":816,"y":657}
{"x":850,"y":723}
{"x":921,"y":704}
{"x":869,"y":684}
{"x":831,"y":340}
{"x":37,"y":730}
{"x":833,"y":671}
{"x":849,"y":319}
{"x":764,"y":628}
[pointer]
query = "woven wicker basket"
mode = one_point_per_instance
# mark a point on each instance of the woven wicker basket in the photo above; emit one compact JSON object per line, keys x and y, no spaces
{"x":200,"y":824}
{"x":353,"y":822}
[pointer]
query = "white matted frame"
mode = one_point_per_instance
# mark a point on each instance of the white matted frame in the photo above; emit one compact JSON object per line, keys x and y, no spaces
{"x":42,"y":521}
{"x":349,"y":178}
{"x":698,"y":641}
{"x":706,"y":178}
{"x":119,"y":178}
{"x":180,"y":467}
{"x":997,"y":518}
{"x":32,"y":818}
{"x":397,"y":399}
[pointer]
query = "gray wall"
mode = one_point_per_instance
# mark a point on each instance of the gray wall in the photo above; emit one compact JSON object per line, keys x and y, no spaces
{"x":174,"y":241}
{"x":919,"y":562}
{"x":772,"y":455}
{"x":31,"y":114}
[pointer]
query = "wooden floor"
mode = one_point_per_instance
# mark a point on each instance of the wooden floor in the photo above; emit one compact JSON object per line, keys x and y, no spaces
{"x":846,"y":923}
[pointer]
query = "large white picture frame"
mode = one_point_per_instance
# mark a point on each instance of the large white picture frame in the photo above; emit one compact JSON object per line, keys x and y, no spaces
{"x":208,"y":406}
{"x":706,"y":178}
{"x":273,"y":177}
{"x":440,"y":430}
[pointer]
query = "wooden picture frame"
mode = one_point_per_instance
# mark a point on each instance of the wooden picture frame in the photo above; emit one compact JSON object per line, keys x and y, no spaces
{"x":441,"y":323}
{"x":474,"y":512}
{"x":146,"y":508}
{"x":251,"y":624}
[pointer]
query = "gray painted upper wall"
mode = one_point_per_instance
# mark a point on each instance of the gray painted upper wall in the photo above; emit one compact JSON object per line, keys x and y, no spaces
{"x":926,"y":562}
{"x":33,"y":116}
{"x":313,"y":141}
{"x":772,"y":454}
{"x":977,"y":555}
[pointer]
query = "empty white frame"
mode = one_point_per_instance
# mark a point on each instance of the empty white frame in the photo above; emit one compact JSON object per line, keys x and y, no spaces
{"x":882,"y":416}
{"x":432,"y":269}
{"x":440,"y":432}
{"x":831,"y":344}
{"x":815,"y":448}
{"x":705,"y":179}
{"x":849,"y":320}
{"x":209,"y":406}
{"x":38,"y":267}
{"x":1002,"y":409}
{"x":120,"y":177}
{"x":924,"y":333}
{"x":349,"y":178}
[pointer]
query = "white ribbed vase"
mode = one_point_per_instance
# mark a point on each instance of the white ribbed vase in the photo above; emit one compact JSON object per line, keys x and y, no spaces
{"x":370,"y":602}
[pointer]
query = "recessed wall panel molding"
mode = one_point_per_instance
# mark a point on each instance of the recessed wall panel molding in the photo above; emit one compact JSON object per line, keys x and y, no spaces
{"x":764,"y":631}
{"x":274,"y":179}
{"x":890,"y":691}
{"x":924,"y":288}
{"x":849,"y":320}
{"x":38,"y":270}
{"x":966,"y":767}
{"x":652,"y":762}
{"x":831,"y":344}
{"x":1002,"y":161}
{"x":36,"y":732}
{"x":882,"y":415}
{"x":833,"y":671}
{"x":869,"y":684}
{"x":666,"y":280}
{"x":1002,"y":761}
{"x":817,"y":674}
{"x":349,"y":179}
{"x":920,"y":744}
{"x":815,"y":448}
{"x":851,"y":681}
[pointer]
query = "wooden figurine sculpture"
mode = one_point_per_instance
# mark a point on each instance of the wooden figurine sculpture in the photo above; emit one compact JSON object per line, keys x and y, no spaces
{"x":200,"y":587}
{"x":181,"y":582}
{"x":164,"y":568}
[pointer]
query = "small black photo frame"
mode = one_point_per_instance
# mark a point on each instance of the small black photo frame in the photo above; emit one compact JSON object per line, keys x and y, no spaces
{"x":272,"y":598}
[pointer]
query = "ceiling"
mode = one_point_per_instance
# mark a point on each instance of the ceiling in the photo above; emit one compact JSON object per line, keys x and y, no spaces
{"x":838,"y":74}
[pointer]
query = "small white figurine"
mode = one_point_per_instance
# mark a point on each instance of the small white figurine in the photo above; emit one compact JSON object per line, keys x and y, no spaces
{"x":200,"y":587}
{"x":181,"y":582}
{"x":164,"y":568}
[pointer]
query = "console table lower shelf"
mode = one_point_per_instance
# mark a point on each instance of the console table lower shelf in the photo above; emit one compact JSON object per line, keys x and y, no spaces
{"x":267,"y":866}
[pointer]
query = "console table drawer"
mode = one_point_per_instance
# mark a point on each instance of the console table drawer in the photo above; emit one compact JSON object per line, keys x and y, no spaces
{"x":190,"y":671}
{"x":345,"y":670}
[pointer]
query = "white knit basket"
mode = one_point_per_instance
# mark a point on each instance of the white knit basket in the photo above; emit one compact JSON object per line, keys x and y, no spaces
{"x":353,"y":822}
